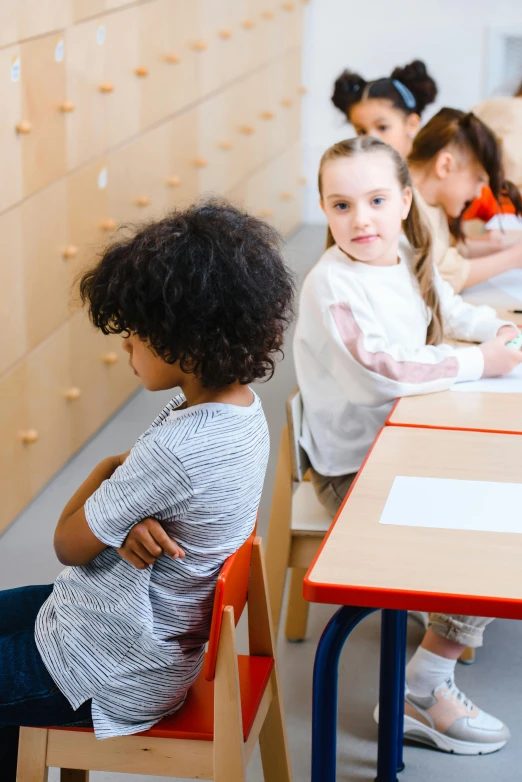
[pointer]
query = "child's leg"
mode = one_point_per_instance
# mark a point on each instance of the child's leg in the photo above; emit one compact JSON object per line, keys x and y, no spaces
{"x":436,"y":711}
{"x":28,"y":695}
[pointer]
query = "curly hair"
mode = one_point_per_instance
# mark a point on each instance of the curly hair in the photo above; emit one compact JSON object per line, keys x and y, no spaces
{"x":206,"y":287}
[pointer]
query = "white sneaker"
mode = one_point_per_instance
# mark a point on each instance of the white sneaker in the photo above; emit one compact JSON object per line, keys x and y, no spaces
{"x":450,"y":722}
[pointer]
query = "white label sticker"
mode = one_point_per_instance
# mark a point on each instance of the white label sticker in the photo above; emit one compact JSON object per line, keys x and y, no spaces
{"x":15,"y":69}
{"x":59,"y":50}
{"x":100,"y":35}
{"x":102,"y":179}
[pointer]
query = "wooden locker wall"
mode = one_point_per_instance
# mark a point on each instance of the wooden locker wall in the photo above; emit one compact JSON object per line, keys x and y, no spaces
{"x":116,"y":111}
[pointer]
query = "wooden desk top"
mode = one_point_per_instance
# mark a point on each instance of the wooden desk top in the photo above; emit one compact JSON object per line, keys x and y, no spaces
{"x":467,"y":410}
{"x":362,"y":562}
{"x":503,"y":303}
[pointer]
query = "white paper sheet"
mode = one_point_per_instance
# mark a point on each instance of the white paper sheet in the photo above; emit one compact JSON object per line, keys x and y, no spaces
{"x":443,"y":503}
{"x":508,"y":222}
{"x":510,"y":384}
{"x":510,"y":283}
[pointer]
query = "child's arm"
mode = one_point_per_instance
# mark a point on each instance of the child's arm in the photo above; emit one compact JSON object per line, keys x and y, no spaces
{"x":482,"y":269}
{"x":146,"y":542}
{"x":74,"y":543}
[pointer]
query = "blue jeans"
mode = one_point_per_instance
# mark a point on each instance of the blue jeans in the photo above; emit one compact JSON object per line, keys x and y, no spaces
{"x":28,"y":695}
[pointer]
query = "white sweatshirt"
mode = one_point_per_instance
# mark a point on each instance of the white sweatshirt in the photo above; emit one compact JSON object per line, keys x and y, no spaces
{"x":360,"y":344}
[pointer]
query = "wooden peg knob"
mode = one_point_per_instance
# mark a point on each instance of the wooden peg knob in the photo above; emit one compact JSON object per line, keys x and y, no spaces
{"x":265,"y":213}
{"x":248,"y":24}
{"x":287,"y":196}
{"x":267,"y":115}
{"x":72,"y":394}
{"x":247,"y":130}
{"x":268,"y":14}
{"x":108,"y":225}
{"x":29,"y":436}
{"x":199,"y":46}
{"x":70,"y":252}
{"x":225,"y":145}
{"x":24,"y":127}
{"x":67,"y":106}
{"x":302,"y":90}
{"x":225,"y":34}
{"x":286,"y":102}
{"x":141,"y":71}
{"x":302,"y":180}
{"x":172,"y":58}
{"x":110,"y":359}
{"x":142,"y":201}
{"x":174,"y":181}
{"x":106,"y":87}
{"x":200,"y":162}
{"x":288,"y":6}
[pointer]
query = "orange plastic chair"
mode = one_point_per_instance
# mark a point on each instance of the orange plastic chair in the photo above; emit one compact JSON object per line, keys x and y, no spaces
{"x":234,"y":703}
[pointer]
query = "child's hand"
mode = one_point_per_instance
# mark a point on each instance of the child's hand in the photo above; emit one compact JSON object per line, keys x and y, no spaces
{"x":498,"y":359}
{"x":146,"y":542}
{"x":507,"y":331}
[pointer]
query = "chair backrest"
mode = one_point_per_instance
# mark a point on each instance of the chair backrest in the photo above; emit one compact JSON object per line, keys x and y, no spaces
{"x":231,"y":590}
{"x":294,"y":416}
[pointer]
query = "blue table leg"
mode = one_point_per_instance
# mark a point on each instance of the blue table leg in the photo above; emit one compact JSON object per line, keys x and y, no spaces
{"x":402,"y":686}
{"x":324,"y":711}
{"x":391,"y":693}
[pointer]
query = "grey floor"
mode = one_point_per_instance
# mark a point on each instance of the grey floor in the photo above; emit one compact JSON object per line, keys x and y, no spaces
{"x":495,"y":682}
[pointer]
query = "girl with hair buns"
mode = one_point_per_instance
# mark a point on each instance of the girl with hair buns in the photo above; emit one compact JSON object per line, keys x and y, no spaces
{"x":388,"y":108}
{"x":452,"y":158}
{"x":373,"y":317}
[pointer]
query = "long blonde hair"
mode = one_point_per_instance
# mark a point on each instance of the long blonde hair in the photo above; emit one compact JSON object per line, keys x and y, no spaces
{"x":415,"y":226}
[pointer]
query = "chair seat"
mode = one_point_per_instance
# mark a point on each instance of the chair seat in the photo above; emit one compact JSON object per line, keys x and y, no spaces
{"x":309,"y":517}
{"x":195,"y":720}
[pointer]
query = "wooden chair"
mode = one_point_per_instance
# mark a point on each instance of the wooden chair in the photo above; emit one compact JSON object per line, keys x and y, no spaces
{"x":234,"y":702}
{"x":298,"y":524}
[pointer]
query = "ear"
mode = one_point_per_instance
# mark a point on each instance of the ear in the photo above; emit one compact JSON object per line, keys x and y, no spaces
{"x":444,"y":164}
{"x":412,"y":125}
{"x":407,"y":197}
{"x":321,"y":204}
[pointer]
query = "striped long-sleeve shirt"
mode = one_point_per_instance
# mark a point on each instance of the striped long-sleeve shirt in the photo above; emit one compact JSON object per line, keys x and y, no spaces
{"x":133,"y":640}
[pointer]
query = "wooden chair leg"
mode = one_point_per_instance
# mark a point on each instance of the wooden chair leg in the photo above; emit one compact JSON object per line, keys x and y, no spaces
{"x":279,"y":537}
{"x":73,"y":775}
{"x":273,"y":743}
{"x":229,"y":759}
{"x":297,"y":609}
{"x":32,"y":755}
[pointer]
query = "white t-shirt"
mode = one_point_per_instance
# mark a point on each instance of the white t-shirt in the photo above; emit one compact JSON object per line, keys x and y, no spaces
{"x":360,"y":343}
{"x":133,"y":640}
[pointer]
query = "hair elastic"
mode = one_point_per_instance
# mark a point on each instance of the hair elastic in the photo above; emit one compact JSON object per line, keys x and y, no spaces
{"x":405,"y":93}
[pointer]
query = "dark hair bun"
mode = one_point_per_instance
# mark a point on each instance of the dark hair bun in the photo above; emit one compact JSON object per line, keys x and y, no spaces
{"x":419,"y":82}
{"x":348,"y":89}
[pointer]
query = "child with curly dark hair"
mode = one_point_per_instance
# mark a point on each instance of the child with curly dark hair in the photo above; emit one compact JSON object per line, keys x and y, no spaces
{"x":202,"y":299}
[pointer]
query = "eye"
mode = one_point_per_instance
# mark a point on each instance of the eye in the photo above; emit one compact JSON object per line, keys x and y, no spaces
{"x":361,"y":132}
{"x":383,"y":128}
{"x":342,"y":206}
{"x":378,"y":200}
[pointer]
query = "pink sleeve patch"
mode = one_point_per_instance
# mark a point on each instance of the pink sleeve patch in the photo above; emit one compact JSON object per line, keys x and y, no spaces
{"x":382,"y":363}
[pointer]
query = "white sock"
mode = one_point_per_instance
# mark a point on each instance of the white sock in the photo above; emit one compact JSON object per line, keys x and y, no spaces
{"x":426,"y":671}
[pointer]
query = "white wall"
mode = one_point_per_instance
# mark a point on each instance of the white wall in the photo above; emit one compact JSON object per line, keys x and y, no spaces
{"x":371,"y":37}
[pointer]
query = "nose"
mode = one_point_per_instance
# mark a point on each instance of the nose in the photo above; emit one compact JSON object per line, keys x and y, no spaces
{"x":361,"y":217}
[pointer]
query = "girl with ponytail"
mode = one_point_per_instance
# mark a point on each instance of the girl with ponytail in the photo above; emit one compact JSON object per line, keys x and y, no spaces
{"x":373,"y":317}
{"x":388,"y":108}
{"x":452,"y":158}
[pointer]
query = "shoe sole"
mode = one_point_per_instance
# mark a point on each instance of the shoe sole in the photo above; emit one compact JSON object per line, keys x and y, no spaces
{"x":423,"y":734}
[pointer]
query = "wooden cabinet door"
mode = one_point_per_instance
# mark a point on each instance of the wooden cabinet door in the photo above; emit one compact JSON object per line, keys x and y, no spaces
{"x":86,"y":9}
{"x":14,"y":454}
{"x":184,"y":159}
{"x":8,"y":22}
{"x":12,"y":142}
{"x":39,"y":17}
{"x":46,"y":276}
{"x":90,"y":223}
{"x":122,"y":60}
{"x":158,"y":72}
{"x":50,"y":397}
{"x":44,"y":95}
{"x":88,"y":90}
{"x":12,"y":304}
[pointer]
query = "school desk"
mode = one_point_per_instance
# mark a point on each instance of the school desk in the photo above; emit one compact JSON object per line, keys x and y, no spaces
{"x":365,"y":566}
{"x":477,"y":411}
{"x":502,"y":302}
